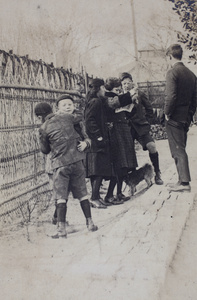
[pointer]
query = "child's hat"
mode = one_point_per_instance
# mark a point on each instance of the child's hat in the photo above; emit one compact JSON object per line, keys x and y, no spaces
{"x":64,"y":96}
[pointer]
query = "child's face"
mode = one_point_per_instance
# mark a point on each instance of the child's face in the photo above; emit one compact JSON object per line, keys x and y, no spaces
{"x":127,"y":84}
{"x":116,"y":90}
{"x":110,"y":101}
{"x":66,"y":106}
{"x":41,"y":118}
{"x":101,"y":91}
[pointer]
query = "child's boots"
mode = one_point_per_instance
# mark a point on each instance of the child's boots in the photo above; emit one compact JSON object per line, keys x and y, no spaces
{"x":90,"y":225}
{"x":61,"y":231}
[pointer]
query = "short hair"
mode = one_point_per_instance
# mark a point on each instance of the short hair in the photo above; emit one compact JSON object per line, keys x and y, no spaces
{"x":63,"y":97}
{"x":112,"y":82}
{"x":94,"y":87}
{"x":42,"y":109}
{"x":125,"y":75}
{"x":96,"y":83}
{"x":175,"y":50}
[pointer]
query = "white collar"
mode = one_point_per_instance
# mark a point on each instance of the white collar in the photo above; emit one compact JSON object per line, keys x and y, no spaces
{"x":176,"y":62}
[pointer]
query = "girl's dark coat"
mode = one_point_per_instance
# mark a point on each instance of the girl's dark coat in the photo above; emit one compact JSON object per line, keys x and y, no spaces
{"x":116,"y":151}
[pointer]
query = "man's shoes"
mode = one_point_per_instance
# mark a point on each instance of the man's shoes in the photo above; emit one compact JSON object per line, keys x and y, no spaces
{"x":169,"y":185}
{"x":98,"y":203}
{"x":180,"y":188}
{"x":90,"y":225}
{"x":158,"y":179}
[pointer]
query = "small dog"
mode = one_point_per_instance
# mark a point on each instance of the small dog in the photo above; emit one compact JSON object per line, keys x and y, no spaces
{"x":144,"y":173}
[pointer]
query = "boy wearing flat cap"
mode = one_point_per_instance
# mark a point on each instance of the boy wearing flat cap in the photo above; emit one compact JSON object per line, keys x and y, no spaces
{"x":58,"y":136}
{"x":65,"y":104}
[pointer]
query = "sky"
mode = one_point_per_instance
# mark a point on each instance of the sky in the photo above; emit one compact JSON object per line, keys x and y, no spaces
{"x":97,"y":34}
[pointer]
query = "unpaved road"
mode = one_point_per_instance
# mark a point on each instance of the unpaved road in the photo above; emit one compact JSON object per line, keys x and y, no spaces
{"x":124,"y":259}
{"x":181,"y":278}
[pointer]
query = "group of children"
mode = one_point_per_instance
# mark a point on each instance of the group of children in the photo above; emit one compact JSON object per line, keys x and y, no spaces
{"x":63,"y":135}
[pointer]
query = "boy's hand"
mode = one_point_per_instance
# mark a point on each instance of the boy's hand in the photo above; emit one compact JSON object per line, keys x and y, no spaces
{"x":81,"y":146}
{"x":134,"y":94}
{"x":135,"y":99}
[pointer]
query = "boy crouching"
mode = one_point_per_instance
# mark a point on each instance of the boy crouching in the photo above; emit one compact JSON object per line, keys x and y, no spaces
{"x":58,"y":136}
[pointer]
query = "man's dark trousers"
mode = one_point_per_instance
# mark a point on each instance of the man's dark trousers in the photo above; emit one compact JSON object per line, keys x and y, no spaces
{"x":177,"y":138}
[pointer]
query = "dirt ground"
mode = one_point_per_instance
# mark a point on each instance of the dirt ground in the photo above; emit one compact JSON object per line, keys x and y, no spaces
{"x":181,"y":278}
{"x":119,"y":261}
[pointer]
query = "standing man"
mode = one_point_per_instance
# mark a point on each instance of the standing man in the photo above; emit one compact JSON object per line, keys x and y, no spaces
{"x":139,"y":120}
{"x":180,"y":106}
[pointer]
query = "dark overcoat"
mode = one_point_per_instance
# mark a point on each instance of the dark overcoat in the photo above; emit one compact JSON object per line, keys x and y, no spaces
{"x":180,"y":94}
{"x":121,"y":144}
{"x":116,"y":150}
{"x":98,"y":159}
{"x":140,"y":120}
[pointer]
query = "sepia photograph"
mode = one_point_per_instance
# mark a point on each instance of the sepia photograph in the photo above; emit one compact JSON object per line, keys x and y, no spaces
{"x":98,"y":138}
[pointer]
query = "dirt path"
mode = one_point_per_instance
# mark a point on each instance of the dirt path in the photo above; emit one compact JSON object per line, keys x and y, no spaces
{"x":126,"y":258}
{"x":181,"y":278}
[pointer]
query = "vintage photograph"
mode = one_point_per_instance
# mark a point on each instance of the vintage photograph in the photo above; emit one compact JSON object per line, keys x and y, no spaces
{"x":98,"y":138}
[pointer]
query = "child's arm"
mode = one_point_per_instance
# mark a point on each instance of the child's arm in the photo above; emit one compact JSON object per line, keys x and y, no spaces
{"x":44,"y":142}
{"x":124,"y":99}
{"x":86,"y":141}
{"x":77,"y":116}
{"x":147,"y":105}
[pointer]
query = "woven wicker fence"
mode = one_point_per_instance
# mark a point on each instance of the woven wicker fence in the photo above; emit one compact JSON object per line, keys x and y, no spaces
{"x":22,"y":177}
{"x":20,"y":70}
{"x":24,"y":83}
